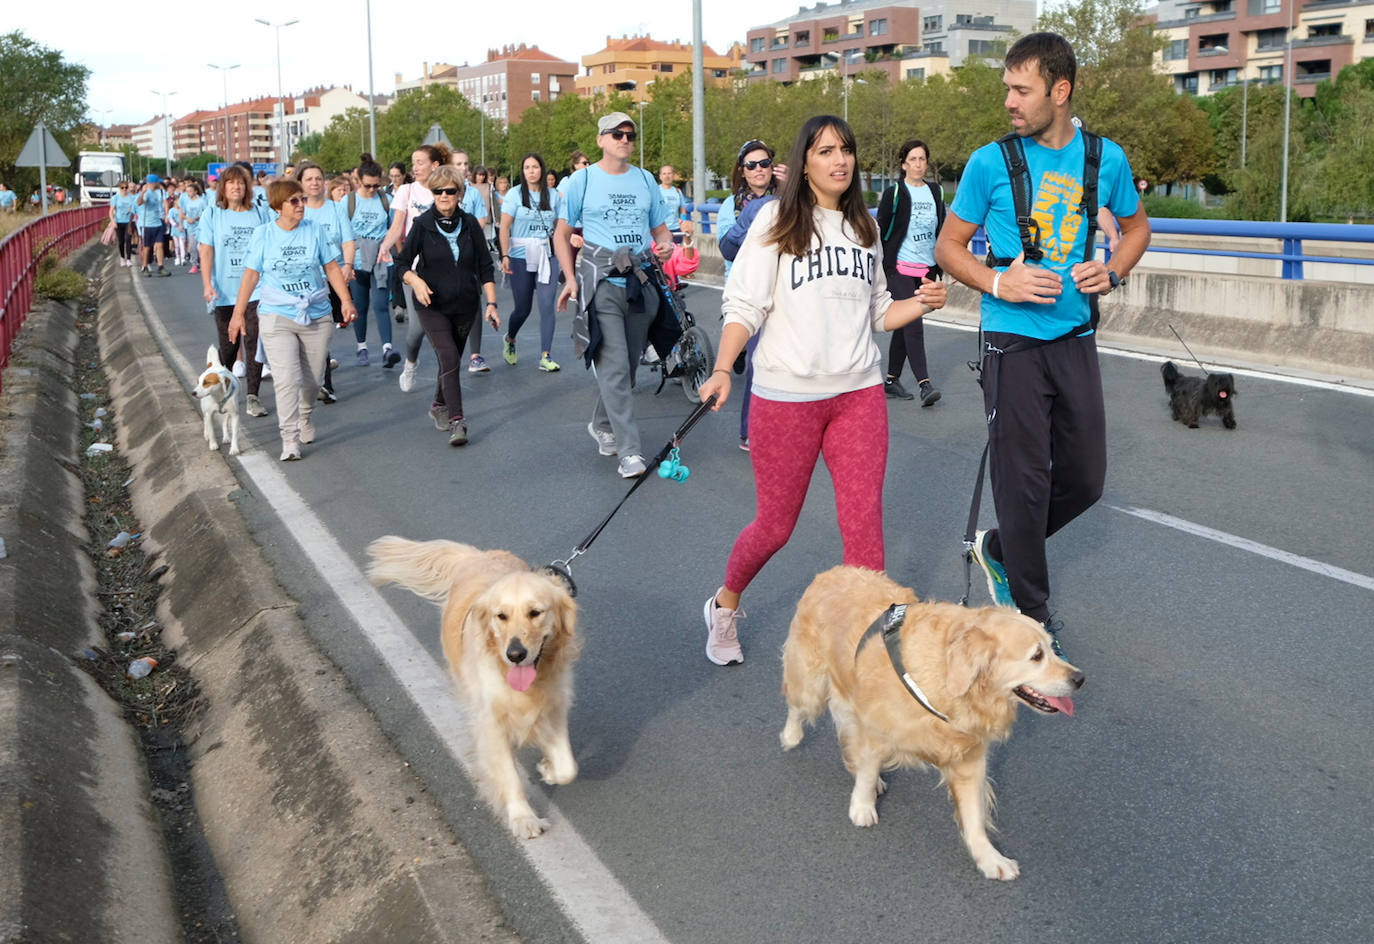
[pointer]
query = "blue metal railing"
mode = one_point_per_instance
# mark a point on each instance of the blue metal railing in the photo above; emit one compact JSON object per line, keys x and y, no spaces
{"x":1291,"y":255}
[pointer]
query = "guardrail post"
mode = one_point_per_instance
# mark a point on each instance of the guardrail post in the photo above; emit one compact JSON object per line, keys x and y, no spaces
{"x":1292,"y":267}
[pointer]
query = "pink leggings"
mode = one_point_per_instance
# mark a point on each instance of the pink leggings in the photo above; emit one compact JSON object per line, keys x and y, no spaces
{"x":785,"y":439}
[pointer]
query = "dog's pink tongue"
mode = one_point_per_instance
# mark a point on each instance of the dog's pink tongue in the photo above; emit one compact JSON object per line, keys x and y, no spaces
{"x":521,"y":677}
{"x":1222,"y":394}
{"x":1063,"y":704}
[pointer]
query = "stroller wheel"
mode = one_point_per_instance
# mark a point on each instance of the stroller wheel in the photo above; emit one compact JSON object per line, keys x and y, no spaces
{"x":697,"y":353}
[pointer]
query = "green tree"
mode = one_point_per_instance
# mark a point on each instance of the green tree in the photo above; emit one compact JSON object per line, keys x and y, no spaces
{"x":37,"y":85}
{"x":1120,"y":95}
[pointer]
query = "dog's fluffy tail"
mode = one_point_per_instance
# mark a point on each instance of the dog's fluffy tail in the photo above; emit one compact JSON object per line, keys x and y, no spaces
{"x":1170,"y":373}
{"x":425,"y":568}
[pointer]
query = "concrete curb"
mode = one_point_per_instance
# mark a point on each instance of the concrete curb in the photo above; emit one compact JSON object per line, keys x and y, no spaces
{"x":82,"y":857}
{"x":319,"y":829}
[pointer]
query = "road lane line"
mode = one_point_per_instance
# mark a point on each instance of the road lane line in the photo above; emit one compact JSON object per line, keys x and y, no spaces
{"x":1244,"y":544}
{"x":585,"y":889}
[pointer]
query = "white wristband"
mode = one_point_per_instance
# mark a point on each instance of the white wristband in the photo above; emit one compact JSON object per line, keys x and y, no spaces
{"x":996,"y":280}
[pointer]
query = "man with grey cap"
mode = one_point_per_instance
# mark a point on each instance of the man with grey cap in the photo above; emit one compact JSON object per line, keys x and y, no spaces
{"x":624,"y":220}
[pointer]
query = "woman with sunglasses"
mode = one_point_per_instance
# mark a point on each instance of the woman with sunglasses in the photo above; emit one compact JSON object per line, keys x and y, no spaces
{"x":367,"y":211}
{"x":910,"y":215}
{"x":443,"y":263}
{"x":331,"y":218}
{"x":810,"y":276}
{"x":295,"y":264}
{"x":410,"y":202}
{"x":754,"y":180}
{"x":122,"y":208}
{"x":225,"y":233}
{"x":528,"y":217}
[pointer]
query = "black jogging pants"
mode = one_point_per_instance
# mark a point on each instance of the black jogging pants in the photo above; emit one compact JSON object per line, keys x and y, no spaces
{"x":1047,"y":453}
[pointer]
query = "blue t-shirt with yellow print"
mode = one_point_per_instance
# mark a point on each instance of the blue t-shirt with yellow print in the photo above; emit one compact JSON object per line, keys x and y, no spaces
{"x":984,"y":197}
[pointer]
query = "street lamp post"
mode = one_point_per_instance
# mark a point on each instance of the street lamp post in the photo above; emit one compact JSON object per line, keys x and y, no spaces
{"x":281,"y":96}
{"x":1287,"y":110}
{"x":371,"y":89}
{"x":224,"y":75}
{"x":640,"y":106}
{"x":166,"y":126}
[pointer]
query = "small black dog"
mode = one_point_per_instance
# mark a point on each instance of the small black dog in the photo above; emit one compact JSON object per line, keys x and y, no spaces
{"x":1191,"y":398}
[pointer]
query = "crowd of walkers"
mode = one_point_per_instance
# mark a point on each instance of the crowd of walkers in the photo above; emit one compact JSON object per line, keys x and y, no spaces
{"x":811,"y":278}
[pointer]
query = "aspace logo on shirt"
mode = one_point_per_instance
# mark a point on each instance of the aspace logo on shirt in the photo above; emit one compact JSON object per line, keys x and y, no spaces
{"x":1058,"y":212}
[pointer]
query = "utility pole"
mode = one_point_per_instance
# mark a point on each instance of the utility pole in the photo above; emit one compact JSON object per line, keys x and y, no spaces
{"x":166,"y":126}
{"x":371,"y":89}
{"x":281,"y":96}
{"x":1287,"y":111}
{"x":698,"y":111}
{"x":224,"y":74}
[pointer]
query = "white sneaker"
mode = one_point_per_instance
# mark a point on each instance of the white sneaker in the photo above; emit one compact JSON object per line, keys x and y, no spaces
{"x":239,"y":370}
{"x":407,"y":379}
{"x":266,"y":372}
{"x":722,"y":632}
{"x":306,"y":430}
{"x":631,"y":467}
{"x":605,"y":441}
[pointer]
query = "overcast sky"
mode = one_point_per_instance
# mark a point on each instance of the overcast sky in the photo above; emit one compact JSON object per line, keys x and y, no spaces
{"x":329,"y":46}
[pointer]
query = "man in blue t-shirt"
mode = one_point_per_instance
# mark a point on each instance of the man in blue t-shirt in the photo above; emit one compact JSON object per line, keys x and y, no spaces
{"x":1047,"y":437}
{"x":672,"y":200}
{"x":619,"y":206}
{"x":7,"y":199}
{"x":152,"y":214}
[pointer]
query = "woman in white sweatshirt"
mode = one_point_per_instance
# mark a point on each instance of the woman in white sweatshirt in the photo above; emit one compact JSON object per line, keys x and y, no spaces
{"x":811,"y":270}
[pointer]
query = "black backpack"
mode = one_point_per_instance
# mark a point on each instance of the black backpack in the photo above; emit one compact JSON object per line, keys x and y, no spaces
{"x":1018,"y":171}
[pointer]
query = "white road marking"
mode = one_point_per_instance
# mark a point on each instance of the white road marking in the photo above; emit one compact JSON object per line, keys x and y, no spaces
{"x":1244,"y":544}
{"x":1157,"y":358}
{"x":589,"y":894}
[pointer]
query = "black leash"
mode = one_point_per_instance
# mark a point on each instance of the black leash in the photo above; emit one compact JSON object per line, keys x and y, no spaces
{"x":1205,"y":371}
{"x":889,"y":625}
{"x":563,"y":568}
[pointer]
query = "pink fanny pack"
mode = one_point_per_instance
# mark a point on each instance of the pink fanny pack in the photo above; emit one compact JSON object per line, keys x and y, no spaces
{"x":914,"y":269}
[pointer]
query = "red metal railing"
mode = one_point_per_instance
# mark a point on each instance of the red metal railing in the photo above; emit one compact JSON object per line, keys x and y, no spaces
{"x":22,"y":250}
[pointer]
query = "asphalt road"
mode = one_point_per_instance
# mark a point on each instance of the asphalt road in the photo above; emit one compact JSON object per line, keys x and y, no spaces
{"x":1214,"y":785}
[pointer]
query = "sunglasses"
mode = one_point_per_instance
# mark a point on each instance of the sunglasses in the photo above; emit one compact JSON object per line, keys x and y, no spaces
{"x":766,"y":162}
{"x":623,"y":135}
{"x":446,"y":191}
{"x":295,"y":201}
{"x":368,"y":186}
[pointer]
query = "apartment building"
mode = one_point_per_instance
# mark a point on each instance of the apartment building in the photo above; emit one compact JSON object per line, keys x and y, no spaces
{"x":152,"y":138}
{"x":311,"y":112}
{"x":1214,"y":44}
{"x":251,"y":129}
{"x":906,"y":39}
{"x":631,"y":64}
{"x":510,"y":80}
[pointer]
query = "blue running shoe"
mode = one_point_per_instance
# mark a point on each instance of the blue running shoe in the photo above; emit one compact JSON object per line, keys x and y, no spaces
{"x":998,"y":588}
{"x":1054,"y":626}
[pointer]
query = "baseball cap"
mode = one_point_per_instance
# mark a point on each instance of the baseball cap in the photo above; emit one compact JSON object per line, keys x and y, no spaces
{"x":154,"y":179}
{"x":614,"y":120}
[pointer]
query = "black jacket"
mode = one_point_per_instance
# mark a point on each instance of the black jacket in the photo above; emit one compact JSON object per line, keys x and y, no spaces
{"x":455,"y":286}
{"x":894,"y":216}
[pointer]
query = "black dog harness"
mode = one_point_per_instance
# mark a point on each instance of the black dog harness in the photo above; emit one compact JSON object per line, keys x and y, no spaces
{"x":889,"y":626}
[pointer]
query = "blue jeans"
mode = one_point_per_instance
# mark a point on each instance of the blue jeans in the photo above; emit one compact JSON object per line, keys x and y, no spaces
{"x":525,"y":286}
{"x":369,"y":291}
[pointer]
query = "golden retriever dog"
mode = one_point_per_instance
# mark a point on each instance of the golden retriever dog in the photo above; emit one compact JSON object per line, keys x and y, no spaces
{"x":510,"y":636}
{"x":974,"y":666}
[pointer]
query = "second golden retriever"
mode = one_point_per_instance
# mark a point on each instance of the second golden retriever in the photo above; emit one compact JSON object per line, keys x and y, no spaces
{"x":510,"y":637}
{"x":974,"y":666}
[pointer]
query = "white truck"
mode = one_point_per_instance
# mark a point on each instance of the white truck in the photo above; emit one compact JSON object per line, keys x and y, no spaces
{"x":98,"y":174}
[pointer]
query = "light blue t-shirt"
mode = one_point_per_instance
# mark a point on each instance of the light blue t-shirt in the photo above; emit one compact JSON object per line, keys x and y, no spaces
{"x":7,"y":200}
{"x":473,"y":202}
{"x":291,"y":261}
{"x":333,"y":219}
{"x":229,"y":233}
{"x":672,"y":205}
{"x":174,"y":218}
{"x":124,"y":205}
{"x":194,"y":209}
{"x":725,"y":218}
{"x":452,"y":238}
{"x":153,"y":210}
{"x":919,"y":245}
{"x":614,"y":210}
{"x":984,"y":196}
{"x":369,"y":217}
{"x":530,"y":222}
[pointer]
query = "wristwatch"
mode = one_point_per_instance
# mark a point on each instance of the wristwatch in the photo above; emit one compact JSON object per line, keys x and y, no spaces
{"x":1116,"y":280}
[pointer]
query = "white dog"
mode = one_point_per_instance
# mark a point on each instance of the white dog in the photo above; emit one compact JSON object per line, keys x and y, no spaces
{"x":218,"y":392}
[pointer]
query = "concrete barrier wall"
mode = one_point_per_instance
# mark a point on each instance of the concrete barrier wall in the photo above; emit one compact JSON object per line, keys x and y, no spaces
{"x":1252,"y":319}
